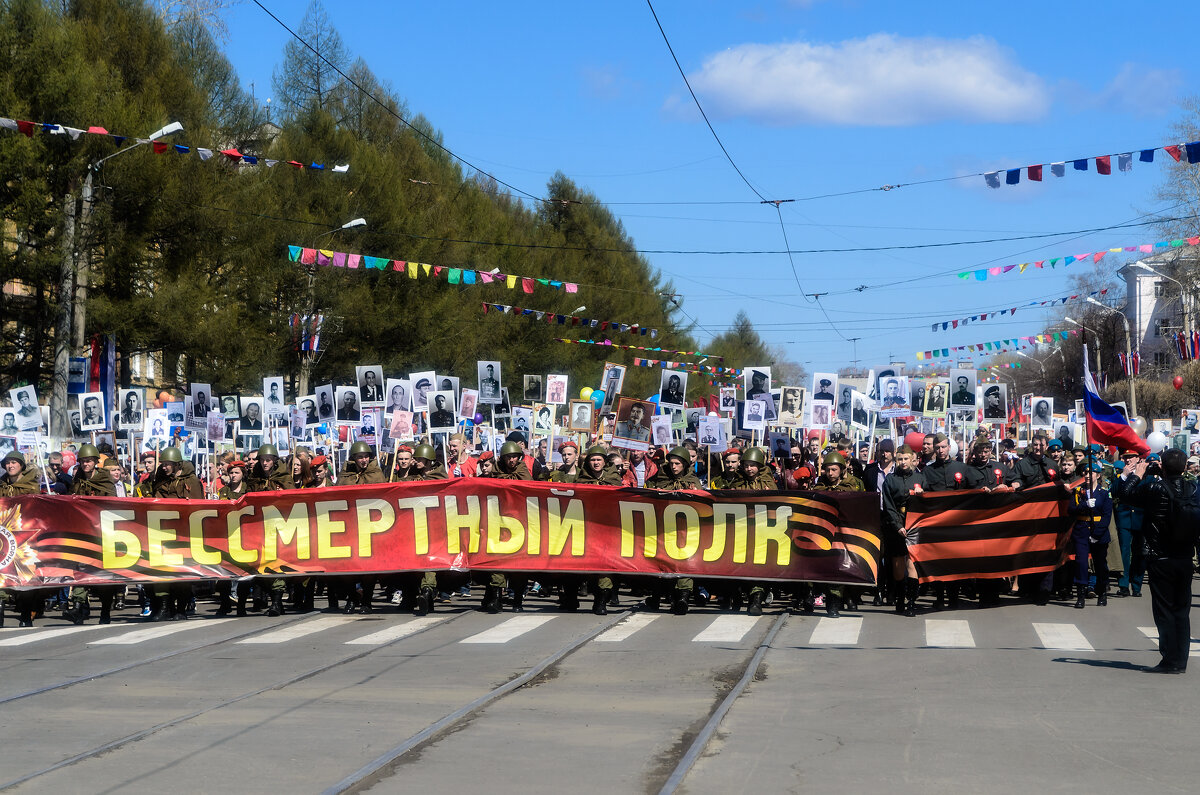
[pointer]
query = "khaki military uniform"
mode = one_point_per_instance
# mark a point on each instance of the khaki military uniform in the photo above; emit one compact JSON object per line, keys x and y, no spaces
{"x":100,"y":484}
{"x":351,"y":475}
{"x":28,"y":482}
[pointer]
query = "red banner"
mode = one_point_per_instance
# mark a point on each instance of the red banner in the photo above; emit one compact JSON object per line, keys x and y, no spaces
{"x":463,"y":524}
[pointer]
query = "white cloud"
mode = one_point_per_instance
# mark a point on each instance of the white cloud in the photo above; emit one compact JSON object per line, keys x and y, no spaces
{"x":1142,"y":90}
{"x":881,"y":80}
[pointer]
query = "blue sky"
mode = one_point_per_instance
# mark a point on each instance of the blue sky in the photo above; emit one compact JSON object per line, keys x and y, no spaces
{"x":810,"y":97}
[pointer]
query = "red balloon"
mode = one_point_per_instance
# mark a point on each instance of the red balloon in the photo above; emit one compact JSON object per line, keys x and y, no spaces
{"x":915,"y":439}
{"x":1178,"y":382}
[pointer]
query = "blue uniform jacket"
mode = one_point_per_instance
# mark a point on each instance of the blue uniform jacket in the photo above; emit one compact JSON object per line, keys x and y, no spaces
{"x":1092,"y":522}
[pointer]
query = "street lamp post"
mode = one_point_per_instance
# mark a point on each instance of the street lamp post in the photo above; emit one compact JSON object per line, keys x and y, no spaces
{"x":72,"y":282}
{"x":1132,"y":394}
{"x":309,"y":358}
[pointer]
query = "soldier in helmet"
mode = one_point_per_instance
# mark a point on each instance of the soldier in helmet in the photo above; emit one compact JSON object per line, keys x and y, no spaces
{"x":18,"y":479}
{"x":675,"y":475}
{"x":91,"y":480}
{"x":511,"y":467}
{"x":594,"y":471}
{"x":360,"y":467}
{"x":753,"y":475}
{"x":835,"y":476}
{"x":420,"y":588}
{"x":269,"y":473}
{"x":175,"y":479}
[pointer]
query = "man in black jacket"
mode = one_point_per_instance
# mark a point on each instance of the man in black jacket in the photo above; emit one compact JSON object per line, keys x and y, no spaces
{"x":1169,"y":520}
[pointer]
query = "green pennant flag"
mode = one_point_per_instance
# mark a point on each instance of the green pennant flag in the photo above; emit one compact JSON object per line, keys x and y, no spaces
{"x":455,"y":276}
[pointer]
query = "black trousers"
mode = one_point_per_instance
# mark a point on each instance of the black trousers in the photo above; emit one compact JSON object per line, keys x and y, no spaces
{"x":1171,"y":601}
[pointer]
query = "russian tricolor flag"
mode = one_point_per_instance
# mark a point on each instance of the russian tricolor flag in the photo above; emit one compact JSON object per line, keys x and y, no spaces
{"x":1106,"y":425}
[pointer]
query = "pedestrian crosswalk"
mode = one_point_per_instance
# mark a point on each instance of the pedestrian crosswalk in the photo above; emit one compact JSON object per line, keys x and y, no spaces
{"x":848,"y":631}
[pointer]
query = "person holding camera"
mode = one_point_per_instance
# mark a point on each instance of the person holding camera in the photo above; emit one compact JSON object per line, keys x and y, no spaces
{"x":1170,"y":516}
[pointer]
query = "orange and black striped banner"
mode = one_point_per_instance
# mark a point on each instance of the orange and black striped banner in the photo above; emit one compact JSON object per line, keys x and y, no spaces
{"x":958,"y":535}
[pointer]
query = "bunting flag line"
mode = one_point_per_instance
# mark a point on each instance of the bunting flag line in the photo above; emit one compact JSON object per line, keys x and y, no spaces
{"x":982,"y":274}
{"x":1131,"y":365}
{"x":685,"y":366}
{"x":571,"y":320}
{"x":963,"y":321}
{"x":997,"y":346}
{"x":231,"y":155}
{"x":340,"y":259}
{"x":1012,"y":176}
{"x":611,"y":344}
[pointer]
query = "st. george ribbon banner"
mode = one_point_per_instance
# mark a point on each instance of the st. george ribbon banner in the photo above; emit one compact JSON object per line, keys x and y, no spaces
{"x":452,"y":525}
{"x":960,"y":535}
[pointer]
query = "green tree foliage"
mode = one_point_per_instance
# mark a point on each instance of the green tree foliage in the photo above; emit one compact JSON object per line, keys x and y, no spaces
{"x":189,"y":257}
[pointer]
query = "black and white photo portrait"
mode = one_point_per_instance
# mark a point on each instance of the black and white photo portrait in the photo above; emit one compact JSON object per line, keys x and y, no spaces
{"x":825,"y":386}
{"x":1043,"y":412}
{"x":728,"y":399}
{"x":132,"y":404}
{"x":273,"y":400}
{"x":581,"y":415}
{"x":441,"y":411}
{"x":370,"y":384}
{"x":24,"y":403}
{"x":533,"y":388}
{"x":326,"y":403}
{"x":672,"y":387}
{"x":251,"y":419}
{"x":422,"y":385}
{"x":489,"y":382}
{"x":92,"y":414}
{"x":791,"y":407}
{"x":348,"y":410}
{"x":962,"y":389}
{"x":398,"y":396}
{"x":995,"y":402}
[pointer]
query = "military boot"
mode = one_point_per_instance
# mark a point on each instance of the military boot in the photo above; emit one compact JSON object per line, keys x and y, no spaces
{"x":754,"y":608}
{"x":832,"y":605}
{"x":491,"y":599}
{"x":423,"y":604}
{"x":568,"y":601}
{"x":276,"y":608}
{"x":1101,"y":597}
{"x":1080,"y":597}
{"x":600,"y":602}
{"x":652,"y":603}
{"x":226,"y":606}
{"x":679,"y":602}
{"x":909,"y":597}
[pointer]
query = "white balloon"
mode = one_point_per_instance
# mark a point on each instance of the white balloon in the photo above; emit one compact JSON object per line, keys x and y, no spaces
{"x":953,"y":448}
{"x":713,"y":414}
{"x":1157,"y":441}
{"x":1138,"y":424}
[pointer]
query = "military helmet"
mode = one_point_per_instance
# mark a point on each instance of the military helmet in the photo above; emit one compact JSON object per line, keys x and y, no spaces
{"x":13,"y":455}
{"x":87,"y":451}
{"x":596,"y":449}
{"x":511,"y":448}
{"x":755,"y":455}
{"x":170,"y":455}
{"x":425,"y":452}
{"x":359,"y":448}
{"x":682,"y":453}
{"x":268,"y":449}
{"x":833,"y":458}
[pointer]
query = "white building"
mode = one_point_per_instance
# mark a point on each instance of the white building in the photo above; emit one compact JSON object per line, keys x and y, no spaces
{"x":1155,"y":310}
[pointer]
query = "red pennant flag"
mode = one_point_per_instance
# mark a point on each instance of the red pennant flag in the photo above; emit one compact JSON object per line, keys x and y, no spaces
{"x":232,"y":154}
{"x":1173,"y":151}
{"x":1035,"y":173}
{"x":97,"y":130}
{"x":527,"y":284}
{"x":1104,"y":164}
{"x":159,"y":147}
{"x":27,"y":127}
{"x":485,"y":308}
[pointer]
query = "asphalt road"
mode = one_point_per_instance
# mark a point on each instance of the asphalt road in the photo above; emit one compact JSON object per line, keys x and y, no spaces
{"x":985,"y":700}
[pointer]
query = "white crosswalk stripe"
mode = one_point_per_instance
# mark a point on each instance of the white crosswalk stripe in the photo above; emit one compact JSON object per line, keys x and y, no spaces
{"x":1152,"y":634}
{"x":626,"y":628}
{"x":1062,"y":637}
{"x":158,"y":631}
{"x":397,"y":632}
{"x":506,"y":631}
{"x":837,"y":632}
{"x":948,"y":634}
{"x":33,"y":636}
{"x":726,"y":629}
{"x":294,"y":631}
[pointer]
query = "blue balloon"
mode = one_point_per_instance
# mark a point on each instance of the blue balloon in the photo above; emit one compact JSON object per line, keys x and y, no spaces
{"x":653,"y":398}
{"x":598,"y":397}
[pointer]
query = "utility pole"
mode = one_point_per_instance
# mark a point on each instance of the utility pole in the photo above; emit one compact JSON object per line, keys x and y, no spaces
{"x":309,"y":358}
{"x":73,"y":276}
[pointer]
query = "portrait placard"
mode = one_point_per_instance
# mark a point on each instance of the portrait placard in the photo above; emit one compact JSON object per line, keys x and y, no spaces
{"x":859,"y":413}
{"x":27,"y":416}
{"x":489,"y":380}
{"x":632,"y":429}
{"x":712,"y":435}
{"x":962,"y":389}
{"x":728,"y":402}
{"x":468,"y":401}
{"x":422,"y":385}
{"x":273,"y":399}
{"x":251,"y":419}
{"x":370,"y":385}
{"x":442,"y":411}
{"x":348,"y":410}
{"x":660,"y":425}
{"x":672,"y":387}
{"x":1043,"y":413}
{"x":995,"y":403}
{"x":556,"y":390}
{"x":936,"y":394}
{"x":582,"y":412}
{"x":532,"y":389}
{"x":754,"y":418}
{"x":92,"y":414}
{"x":543,"y":419}
{"x":791,"y":409}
